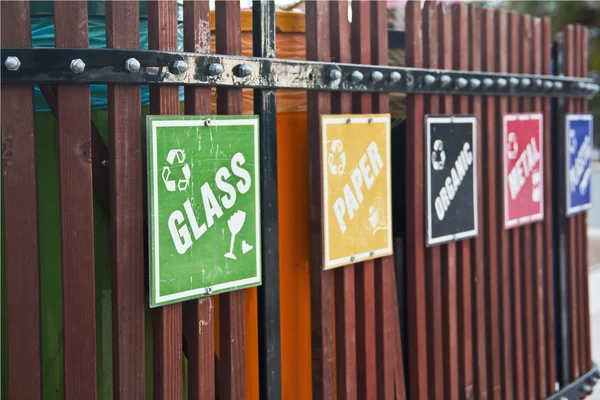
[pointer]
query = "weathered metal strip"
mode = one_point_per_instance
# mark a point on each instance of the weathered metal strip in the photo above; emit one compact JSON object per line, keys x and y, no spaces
{"x":580,"y":387}
{"x":20,"y":194}
{"x":52,"y":65}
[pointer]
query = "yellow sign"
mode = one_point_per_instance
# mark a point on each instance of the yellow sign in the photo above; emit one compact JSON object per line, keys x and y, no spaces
{"x":356,"y":188}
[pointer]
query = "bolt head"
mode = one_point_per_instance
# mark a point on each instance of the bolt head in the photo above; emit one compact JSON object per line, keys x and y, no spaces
{"x":132,"y":65}
{"x":77,"y":65}
{"x":356,"y":76}
{"x":461,"y":83}
{"x":180,"y":66}
{"x":538,"y":83}
{"x":558,"y":85}
{"x":487,"y":82}
{"x":445,"y":80}
{"x":335,"y":75}
{"x":376,"y":76}
{"x":475,"y":83}
{"x":525,"y":82}
{"x":514,"y":81}
{"x":12,"y":63}
{"x":243,"y":70}
{"x":587,"y":388}
{"x":215,"y":69}
{"x":548,"y":85}
{"x":352,"y":258}
{"x":395,"y":76}
{"x":501,"y":82}
{"x":429,"y":80}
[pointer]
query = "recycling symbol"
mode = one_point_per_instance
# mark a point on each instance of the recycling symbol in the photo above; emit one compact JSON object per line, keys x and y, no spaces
{"x":513,"y":146}
{"x":572,"y":142}
{"x":176,"y":160}
{"x":438,"y":155}
{"x":337,"y":158}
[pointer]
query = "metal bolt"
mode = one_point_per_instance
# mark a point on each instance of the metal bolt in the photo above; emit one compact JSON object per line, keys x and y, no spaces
{"x":356,"y":76}
{"x":487,"y":82}
{"x":209,"y":290}
{"x":352,"y":258}
{"x":445,"y":80}
{"x":594,"y":380}
{"x":538,"y":83}
{"x":475,"y":83}
{"x":501,"y":82}
{"x":395,"y":76}
{"x":180,"y":66}
{"x":581,"y":85}
{"x":206,"y":122}
{"x":104,"y":163}
{"x":428,"y":80}
{"x":132,"y":65}
{"x":548,"y":85}
{"x":586,"y":388}
{"x":371,"y":253}
{"x":335,"y":75}
{"x":215,"y":69}
{"x":243,"y":70}
{"x":594,"y":87}
{"x":558,"y":85}
{"x":525,"y":82}
{"x":12,"y":63}
{"x":376,"y":76}
{"x":461,"y":83}
{"x":513,"y":81}
{"x":77,"y":65}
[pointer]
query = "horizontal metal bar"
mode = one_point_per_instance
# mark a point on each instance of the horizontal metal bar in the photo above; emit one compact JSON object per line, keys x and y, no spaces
{"x":77,"y":66}
{"x":581,"y":387}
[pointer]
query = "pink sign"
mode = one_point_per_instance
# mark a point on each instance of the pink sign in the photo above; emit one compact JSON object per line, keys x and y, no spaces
{"x":523,"y":169}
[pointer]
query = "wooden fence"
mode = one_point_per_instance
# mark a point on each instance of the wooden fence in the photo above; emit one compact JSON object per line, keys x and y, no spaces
{"x":502,"y":316}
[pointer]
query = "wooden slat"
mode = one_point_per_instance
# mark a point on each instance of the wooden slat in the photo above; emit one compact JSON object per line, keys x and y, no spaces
{"x":449,"y":267}
{"x":365,"y":271}
{"x":231,"y":323}
{"x":515,"y":235}
{"x":388,"y":341}
{"x":167,"y":322}
{"x":418,"y":384}
{"x":492,"y":192}
{"x":548,"y":255}
{"x":435,"y":337}
{"x":480,"y":349}
{"x":321,"y":282}
{"x":22,"y":260}
{"x":199,"y":315}
{"x":504,"y":260}
{"x":127,"y":218}
{"x":345,"y":307}
{"x":77,"y":216}
{"x":539,"y":288}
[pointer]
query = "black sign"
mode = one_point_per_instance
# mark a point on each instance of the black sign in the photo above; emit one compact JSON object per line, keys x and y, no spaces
{"x":450,"y":157}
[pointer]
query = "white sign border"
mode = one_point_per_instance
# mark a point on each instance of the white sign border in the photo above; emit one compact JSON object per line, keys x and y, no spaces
{"x":570,"y":211}
{"x":434,"y":119}
{"x":514,"y":223}
{"x":153,"y":238}
{"x":353,"y":119}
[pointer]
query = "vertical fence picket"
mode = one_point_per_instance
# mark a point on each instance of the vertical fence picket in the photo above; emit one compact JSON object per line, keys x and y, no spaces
{"x":20,"y":193}
{"x":167,"y":320}
{"x":126,"y":206}
{"x":345,"y":304}
{"x":77,"y":217}
{"x":433,"y":259}
{"x":321,"y":281}
{"x":418,"y":383}
{"x":199,"y":315}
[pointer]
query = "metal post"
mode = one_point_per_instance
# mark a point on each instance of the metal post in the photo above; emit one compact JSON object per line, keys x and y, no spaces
{"x":269,"y":340}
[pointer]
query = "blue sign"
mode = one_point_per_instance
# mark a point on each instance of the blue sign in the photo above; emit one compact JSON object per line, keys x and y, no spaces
{"x":578,"y":148}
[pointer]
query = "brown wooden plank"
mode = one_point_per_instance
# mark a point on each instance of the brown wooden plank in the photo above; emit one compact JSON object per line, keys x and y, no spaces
{"x":540,"y":290}
{"x":435,"y":337}
{"x":418,"y":383}
{"x":321,"y":282}
{"x":77,"y":216}
{"x":515,"y":235}
{"x":345,"y":307}
{"x":461,"y":50}
{"x":449,"y":271}
{"x":480,"y":348}
{"x":22,"y":260}
{"x":199,"y":315}
{"x":492,"y":192}
{"x":548,"y":256}
{"x":232,"y":365}
{"x":506,"y":284}
{"x":167,"y":322}
{"x":365,"y":272}
{"x":127,"y":218}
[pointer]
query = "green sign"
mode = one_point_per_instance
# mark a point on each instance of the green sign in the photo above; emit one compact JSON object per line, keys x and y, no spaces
{"x":204,"y":206}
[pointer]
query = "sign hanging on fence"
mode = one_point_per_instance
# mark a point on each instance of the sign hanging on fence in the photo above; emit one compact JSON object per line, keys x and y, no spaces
{"x":578,"y":150}
{"x":523,"y":169}
{"x":451,"y":168}
{"x":204,"y":206}
{"x":356,"y":188}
